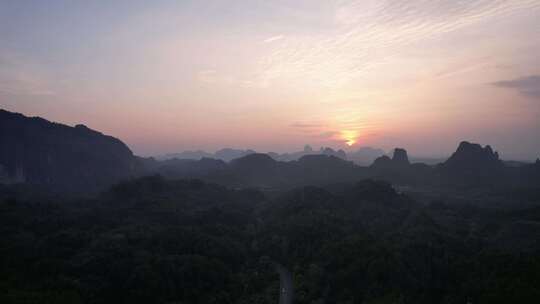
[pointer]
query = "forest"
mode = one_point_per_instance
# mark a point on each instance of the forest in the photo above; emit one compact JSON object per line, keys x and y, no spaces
{"x":154,"y":240}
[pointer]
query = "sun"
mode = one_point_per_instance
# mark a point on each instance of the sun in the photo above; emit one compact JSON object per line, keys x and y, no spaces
{"x":349,"y":136}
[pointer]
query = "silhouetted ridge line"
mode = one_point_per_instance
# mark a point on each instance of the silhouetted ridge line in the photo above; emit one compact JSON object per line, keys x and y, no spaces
{"x":399,"y":159}
{"x":471,"y":156}
{"x":39,"y":152}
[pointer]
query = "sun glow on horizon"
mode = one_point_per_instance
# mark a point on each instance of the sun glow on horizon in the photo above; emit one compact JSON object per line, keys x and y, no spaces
{"x":350,"y":137}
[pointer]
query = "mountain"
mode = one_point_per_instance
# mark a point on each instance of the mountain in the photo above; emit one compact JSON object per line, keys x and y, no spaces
{"x":257,"y":169}
{"x":263,"y":171}
{"x":365,"y":155}
{"x":331,"y":152}
{"x":382,"y":162}
{"x":229,"y":154}
{"x":308,"y":150}
{"x":426,"y":160}
{"x":52,"y":156}
{"x":473,"y":164}
{"x":59,"y":157}
{"x":325,"y":169}
{"x":471,"y":157}
{"x":399,"y":160}
{"x":312,"y":169}
{"x":252,"y":162}
{"x":196,"y":155}
{"x":470,"y":166}
{"x":182,"y":168}
{"x":527,"y":175}
{"x":226,"y":154}
{"x":399,"y":169}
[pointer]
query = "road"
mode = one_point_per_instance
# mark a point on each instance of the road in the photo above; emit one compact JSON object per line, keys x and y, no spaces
{"x":286,"y":289}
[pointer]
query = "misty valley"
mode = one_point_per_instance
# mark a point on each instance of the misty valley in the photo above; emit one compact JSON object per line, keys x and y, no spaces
{"x":84,"y":220}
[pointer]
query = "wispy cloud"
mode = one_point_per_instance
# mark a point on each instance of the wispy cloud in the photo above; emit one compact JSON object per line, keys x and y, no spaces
{"x":368,"y":33}
{"x":273,"y":38}
{"x":465,"y":68}
{"x":328,"y":135}
{"x":304,"y":125}
{"x":528,"y":86}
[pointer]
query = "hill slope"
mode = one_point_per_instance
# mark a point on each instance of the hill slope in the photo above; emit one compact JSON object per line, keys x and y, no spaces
{"x":39,"y":152}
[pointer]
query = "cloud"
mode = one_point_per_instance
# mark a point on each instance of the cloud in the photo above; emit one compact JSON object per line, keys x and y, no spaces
{"x":304,"y":125}
{"x":465,"y":68}
{"x":328,"y":134}
{"x":528,"y":86}
{"x":368,"y":33}
{"x":316,"y":130}
{"x":273,"y":38}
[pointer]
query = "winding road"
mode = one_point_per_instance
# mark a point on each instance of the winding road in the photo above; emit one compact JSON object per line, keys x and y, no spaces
{"x":286,"y":289}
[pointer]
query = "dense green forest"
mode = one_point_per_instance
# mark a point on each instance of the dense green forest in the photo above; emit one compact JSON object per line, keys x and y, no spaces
{"x":153,"y":240}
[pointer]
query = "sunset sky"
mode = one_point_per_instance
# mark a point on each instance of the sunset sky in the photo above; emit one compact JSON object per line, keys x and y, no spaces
{"x":166,"y":76}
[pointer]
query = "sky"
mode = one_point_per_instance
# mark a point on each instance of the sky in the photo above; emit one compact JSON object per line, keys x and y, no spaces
{"x":166,"y":76}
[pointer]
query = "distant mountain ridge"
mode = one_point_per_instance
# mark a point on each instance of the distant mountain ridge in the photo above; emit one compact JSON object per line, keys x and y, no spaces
{"x":34,"y":151}
{"x":225,"y":154}
{"x":229,"y":154}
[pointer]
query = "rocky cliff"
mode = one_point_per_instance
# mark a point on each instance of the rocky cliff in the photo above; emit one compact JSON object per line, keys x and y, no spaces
{"x":39,"y":152}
